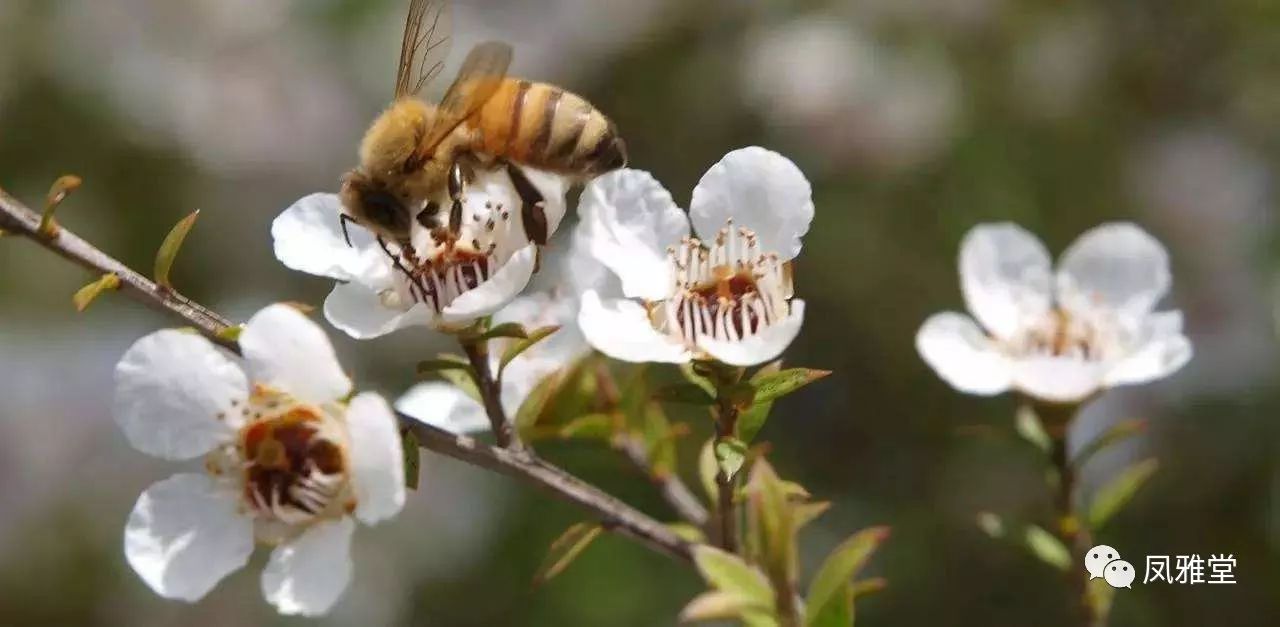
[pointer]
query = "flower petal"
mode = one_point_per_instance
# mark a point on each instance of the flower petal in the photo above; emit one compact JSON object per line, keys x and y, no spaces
{"x":631,"y":220}
{"x":760,"y":190}
{"x":377,"y":462}
{"x":176,"y":395}
{"x":444,"y":406}
{"x":1057,"y":379}
{"x":1004,"y":274}
{"x":1162,"y":353}
{"x":185,"y":534}
{"x":962,"y":355}
{"x":760,"y":347}
{"x":308,"y":574}
{"x":1118,"y":266}
{"x":620,"y":329}
{"x":283,"y":349}
{"x":583,"y":271}
{"x":495,"y":293}
{"x":360,"y":313}
{"x":308,"y":237}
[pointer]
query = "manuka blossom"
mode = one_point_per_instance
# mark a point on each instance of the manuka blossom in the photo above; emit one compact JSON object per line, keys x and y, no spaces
{"x":290,"y":458}
{"x":443,"y":405}
{"x":721,"y":290}
{"x":449,"y":280}
{"x":1057,"y":337}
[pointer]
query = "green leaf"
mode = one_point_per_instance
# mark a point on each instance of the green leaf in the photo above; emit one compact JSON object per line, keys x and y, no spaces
{"x":522,"y":345}
{"x":565,"y":549}
{"x":1118,"y":432}
{"x":751,"y":421}
{"x":714,"y":605}
{"x":506,"y":329}
{"x":463,"y":379}
{"x":596,"y":426}
{"x":691,"y":375}
{"x":779,"y":384}
{"x":412,"y":462}
{"x":730,"y":455}
{"x":707,"y":470}
{"x":864,"y":587}
{"x":58,"y":192}
{"x":805,"y":513}
{"x":1029,"y":427}
{"x":444,"y":362}
{"x":659,"y":440}
{"x":169,"y":248}
{"x":87,"y":294}
{"x":687,"y":532}
{"x":683,"y":393}
{"x":1116,"y":493}
{"x":531,"y":409}
{"x":1047,"y":547}
{"x":728,"y":573}
{"x":842,"y":564}
{"x":231,"y":333}
{"x":836,"y":612}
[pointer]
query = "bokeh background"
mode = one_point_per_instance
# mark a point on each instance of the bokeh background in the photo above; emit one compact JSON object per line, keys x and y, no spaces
{"x":915,"y":119}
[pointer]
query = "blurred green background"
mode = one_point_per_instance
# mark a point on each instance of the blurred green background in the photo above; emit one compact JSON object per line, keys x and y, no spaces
{"x":915,"y":119}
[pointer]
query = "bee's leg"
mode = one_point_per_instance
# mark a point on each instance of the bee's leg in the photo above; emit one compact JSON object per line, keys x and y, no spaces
{"x":343,"y":219}
{"x":533,"y":212}
{"x":457,"y":183}
{"x":395,"y":260}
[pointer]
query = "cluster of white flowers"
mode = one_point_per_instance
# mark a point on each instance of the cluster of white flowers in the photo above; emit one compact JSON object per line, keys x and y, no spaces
{"x":292,"y":454}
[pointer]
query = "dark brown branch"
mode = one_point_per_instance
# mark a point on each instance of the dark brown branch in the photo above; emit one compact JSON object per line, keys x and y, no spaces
{"x":613,"y":514}
{"x":727,"y":512}
{"x":504,"y":432}
{"x":1069,"y":527}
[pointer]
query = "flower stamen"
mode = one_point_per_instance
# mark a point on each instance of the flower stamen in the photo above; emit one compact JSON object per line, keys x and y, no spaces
{"x":730,"y":291}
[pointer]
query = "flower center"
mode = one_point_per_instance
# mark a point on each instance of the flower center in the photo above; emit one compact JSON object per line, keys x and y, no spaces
{"x":445,"y":264}
{"x":291,"y":459}
{"x":1058,"y":333}
{"x":727,"y":291}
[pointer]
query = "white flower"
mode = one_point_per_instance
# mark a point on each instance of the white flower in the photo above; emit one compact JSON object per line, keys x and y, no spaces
{"x":726,"y":297}
{"x":455,"y":281}
{"x":1062,"y":337}
{"x":445,"y":406}
{"x":288,"y":460}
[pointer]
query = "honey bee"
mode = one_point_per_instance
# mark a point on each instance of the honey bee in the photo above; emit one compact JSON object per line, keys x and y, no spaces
{"x":416,"y":151}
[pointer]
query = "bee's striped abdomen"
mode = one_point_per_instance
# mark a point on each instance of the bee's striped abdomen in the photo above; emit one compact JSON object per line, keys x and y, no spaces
{"x":549,"y":128}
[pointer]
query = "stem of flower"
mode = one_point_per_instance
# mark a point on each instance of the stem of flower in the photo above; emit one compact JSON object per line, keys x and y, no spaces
{"x":726,"y":511}
{"x":678,"y":495}
{"x":1070,"y":529}
{"x":613,"y":514}
{"x":504,"y":431}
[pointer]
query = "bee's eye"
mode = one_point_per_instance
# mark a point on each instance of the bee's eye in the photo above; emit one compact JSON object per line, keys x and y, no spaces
{"x":385,"y":210}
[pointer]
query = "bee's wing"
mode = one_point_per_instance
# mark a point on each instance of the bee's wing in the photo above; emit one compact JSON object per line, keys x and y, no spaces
{"x":481,"y":74}
{"x":425,"y":46}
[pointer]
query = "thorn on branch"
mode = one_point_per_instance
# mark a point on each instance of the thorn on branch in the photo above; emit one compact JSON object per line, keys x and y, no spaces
{"x":58,"y":192}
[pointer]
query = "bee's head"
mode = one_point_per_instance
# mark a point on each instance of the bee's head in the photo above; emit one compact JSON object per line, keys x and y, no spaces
{"x":374,"y":205}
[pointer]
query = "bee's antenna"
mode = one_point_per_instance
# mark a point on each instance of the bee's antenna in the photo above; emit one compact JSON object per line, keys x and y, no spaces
{"x":343,"y":219}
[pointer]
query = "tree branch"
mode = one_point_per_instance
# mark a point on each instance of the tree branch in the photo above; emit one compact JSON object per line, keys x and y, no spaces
{"x":613,"y":514}
{"x":504,"y":432}
{"x":676,"y":493}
